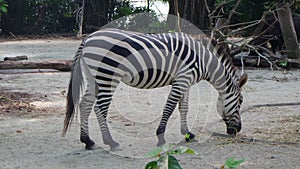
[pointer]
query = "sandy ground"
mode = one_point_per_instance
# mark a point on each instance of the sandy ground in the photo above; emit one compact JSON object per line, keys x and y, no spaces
{"x":32,"y":109}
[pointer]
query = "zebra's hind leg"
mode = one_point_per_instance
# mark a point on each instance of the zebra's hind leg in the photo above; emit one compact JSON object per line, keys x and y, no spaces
{"x":103,"y":101}
{"x":85,"y":106}
{"x":183,"y":109}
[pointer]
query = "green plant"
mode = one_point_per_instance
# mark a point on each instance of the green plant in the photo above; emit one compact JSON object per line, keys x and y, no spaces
{"x":232,"y":163}
{"x":125,"y":8}
{"x":166,"y":158}
{"x":283,"y":64}
{"x":3,"y":7}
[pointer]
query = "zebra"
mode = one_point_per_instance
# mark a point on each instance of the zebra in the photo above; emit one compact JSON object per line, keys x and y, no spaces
{"x":110,"y":56}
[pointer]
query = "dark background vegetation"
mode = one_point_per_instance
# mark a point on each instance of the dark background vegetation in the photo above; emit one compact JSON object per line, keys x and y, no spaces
{"x":36,"y":17}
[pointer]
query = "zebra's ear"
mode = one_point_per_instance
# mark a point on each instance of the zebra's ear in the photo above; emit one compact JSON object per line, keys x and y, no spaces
{"x":243,"y":80}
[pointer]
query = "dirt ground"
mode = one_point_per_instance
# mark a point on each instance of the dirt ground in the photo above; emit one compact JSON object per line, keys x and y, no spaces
{"x":32,"y":106}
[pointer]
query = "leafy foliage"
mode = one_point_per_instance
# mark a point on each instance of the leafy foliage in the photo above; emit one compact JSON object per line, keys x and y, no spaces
{"x":3,"y":6}
{"x":166,"y":158}
{"x":140,"y":22}
{"x":38,"y":16}
{"x":54,"y":12}
{"x":124,"y":8}
{"x":128,"y":17}
{"x":57,"y":16}
{"x":232,"y":163}
{"x":283,"y":64}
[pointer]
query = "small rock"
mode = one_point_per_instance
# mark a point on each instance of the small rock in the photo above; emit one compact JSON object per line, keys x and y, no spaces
{"x":16,"y":58}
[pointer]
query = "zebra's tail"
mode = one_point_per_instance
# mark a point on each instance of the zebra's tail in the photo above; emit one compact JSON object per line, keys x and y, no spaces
{"x":75,"y":86}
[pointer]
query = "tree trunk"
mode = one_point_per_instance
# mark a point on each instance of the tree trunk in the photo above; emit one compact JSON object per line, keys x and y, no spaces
{"x":79,"y":34}
{"x":194,"y":11}
{"x":199,"y":13}
{"x":174,"y":15}
{"x":288,"y":31}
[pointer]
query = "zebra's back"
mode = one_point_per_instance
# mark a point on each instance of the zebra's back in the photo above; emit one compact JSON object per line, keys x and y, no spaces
{"x":139,"y":60}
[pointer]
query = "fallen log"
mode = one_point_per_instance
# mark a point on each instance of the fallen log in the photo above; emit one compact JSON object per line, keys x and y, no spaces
{"x":61,"y":65}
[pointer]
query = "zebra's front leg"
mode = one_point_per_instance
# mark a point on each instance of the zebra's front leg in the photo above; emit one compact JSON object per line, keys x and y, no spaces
{"x":160,"y":132}
{"x":183,"y":109}
{"x":85,"y":106}
{"x":176,"y":93}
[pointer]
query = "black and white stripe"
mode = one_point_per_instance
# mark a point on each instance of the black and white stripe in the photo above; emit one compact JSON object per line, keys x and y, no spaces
{"x":147,"y":61}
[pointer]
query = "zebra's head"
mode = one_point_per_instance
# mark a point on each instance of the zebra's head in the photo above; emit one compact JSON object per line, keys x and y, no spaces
{"x":228,"y":107}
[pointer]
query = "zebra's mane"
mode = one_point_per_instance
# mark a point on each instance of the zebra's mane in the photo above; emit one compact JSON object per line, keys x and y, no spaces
{"x":222,"y":52}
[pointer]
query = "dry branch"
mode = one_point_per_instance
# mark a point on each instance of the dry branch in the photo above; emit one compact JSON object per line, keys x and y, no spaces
{"x":61,"y":65}
{"x":264,"y":57}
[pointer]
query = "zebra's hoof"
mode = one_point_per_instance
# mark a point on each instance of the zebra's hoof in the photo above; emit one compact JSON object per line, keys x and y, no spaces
{"x":161,"y":140}
{"x":189,"y":137}
{"x":115,"y":148}
{"x":160,"y":144}
{"x":91,"y":147}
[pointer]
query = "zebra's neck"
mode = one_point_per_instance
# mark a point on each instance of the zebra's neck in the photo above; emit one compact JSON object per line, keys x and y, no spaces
{"x":218,"y":71}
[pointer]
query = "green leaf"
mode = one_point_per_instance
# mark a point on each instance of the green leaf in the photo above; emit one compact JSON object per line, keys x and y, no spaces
{"x":3,"y":9}
{"x":176,"y":151}
{"x":3,"y":3}
{"x":158,"y":150}
{"x":283,"y":63}
{"x":152,"y":165}
{"x":183,"y":150}
{"x":173,"y":163}
{"x":187,"y":136}
{"x":191,"y":151}
{"x":169,"y":162}
{"x":232,"y":163}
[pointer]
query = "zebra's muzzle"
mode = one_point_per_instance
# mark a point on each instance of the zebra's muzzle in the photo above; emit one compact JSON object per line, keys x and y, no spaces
{"x":233,"y":128}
